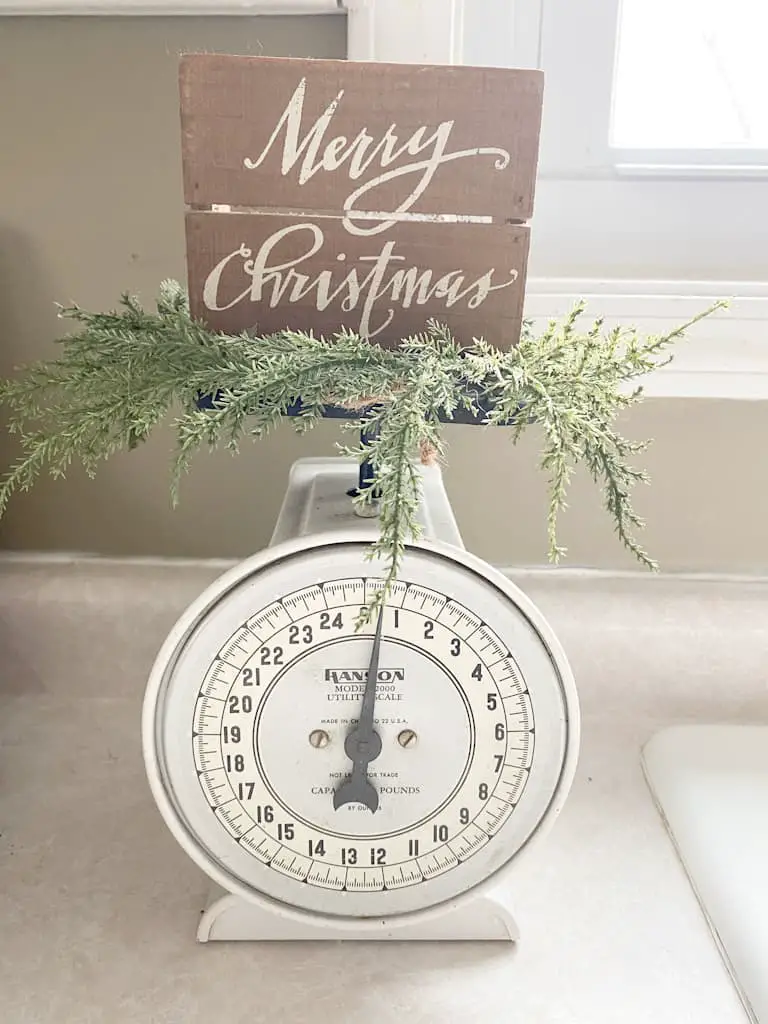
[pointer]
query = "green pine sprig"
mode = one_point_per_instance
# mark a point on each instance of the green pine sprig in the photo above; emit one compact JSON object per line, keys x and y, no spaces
{"x":124,"y":372}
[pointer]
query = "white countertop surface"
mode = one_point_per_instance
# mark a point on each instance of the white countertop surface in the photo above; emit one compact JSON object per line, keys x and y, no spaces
{"x":99,"y":906}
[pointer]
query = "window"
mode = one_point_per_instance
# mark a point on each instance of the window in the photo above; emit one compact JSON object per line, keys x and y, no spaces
{"x":652,"y":192}
{"x":654,"y":147}
{"x":692,"y":74}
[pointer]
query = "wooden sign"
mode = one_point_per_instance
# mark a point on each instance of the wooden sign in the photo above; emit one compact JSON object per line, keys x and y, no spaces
{"x":325,"y":193}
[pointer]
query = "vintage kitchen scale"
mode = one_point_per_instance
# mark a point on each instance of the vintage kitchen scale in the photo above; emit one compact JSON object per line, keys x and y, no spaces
{"x":338,"y":781}
{"x":323,"y":818}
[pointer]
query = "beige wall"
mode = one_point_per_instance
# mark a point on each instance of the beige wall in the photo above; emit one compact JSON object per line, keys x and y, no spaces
{"x":90,"y":205}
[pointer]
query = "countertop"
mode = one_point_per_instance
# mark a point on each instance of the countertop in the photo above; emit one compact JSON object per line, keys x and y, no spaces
{"x":99,"y":905}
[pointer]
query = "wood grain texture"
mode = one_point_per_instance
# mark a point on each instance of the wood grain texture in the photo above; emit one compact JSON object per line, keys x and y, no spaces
{"x":230,"y":107}
{"x":426,"y":270}
{"x":324,"y":194}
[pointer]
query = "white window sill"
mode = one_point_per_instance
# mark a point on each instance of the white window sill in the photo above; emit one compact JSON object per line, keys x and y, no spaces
{"x":696,"y":172}
{"x":723,"y":357}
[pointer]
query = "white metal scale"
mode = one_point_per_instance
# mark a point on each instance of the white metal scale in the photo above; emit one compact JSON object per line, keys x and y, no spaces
{"x":338,"y":782}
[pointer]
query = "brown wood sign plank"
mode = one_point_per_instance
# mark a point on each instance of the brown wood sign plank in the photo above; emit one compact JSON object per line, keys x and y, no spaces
{"x":270,"y":272}
{"x":324,"y":193}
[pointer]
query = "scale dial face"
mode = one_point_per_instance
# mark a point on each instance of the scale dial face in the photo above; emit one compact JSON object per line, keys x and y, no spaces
{"x":253,"y":697}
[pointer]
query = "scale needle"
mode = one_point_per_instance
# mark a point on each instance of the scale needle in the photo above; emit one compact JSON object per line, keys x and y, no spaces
{"x":363,"y":743}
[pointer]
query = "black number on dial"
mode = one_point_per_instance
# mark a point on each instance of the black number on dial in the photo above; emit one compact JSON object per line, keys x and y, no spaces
{"x":477,"y":671}
{"x":245,"y":791}
{"x":326,"y":622}
{"x":271,"y":655}
{"x":237,"y":704}
{"x":482,"y":791}
{"x":265,"y":813}
{"x":499,"y":732}
{"x":455,"y":647}
{"x":316,"y":849}
{"x":440,"y":833}
{"x":298,"y":635}
{"x":429,"y":630}
{"x":251,"y":677}
{"x":285,"y":831}
{"x":231,"y":733}
{"x":349,"y":855}
{"x":236,"y":763}
{"x":491,"y":702}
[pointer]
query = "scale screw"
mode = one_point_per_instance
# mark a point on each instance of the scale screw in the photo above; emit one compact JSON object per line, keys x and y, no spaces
{"x":407,"y":738}
{"x":319,"y":738}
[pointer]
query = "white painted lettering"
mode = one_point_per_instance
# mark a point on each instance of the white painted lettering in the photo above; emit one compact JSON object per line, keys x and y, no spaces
{"x":270,"y":276}
{"x":361,"y":154}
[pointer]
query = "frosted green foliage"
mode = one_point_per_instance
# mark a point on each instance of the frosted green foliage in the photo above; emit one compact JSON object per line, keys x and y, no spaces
{"x":124,"y":372}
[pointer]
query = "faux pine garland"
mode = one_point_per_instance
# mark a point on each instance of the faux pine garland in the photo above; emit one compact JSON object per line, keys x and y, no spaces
{"x":125,"y":371}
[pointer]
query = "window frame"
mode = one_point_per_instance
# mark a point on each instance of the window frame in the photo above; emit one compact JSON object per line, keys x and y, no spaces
{"x":168,"y":8}
{"x":582,"y":78}
{"x":640,"y":239}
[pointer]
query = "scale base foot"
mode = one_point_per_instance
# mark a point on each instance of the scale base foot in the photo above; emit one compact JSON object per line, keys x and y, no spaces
{"x":229,"y":918}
